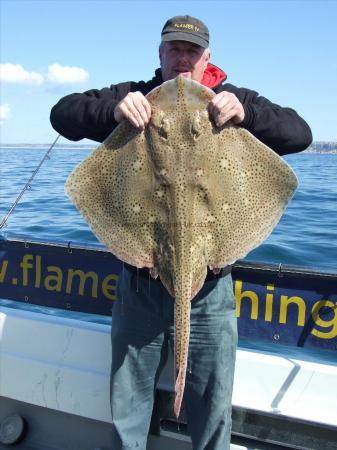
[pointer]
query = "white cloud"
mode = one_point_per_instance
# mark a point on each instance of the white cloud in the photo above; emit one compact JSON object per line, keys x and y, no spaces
{"x":15,"y":73}
{"x":64,"y":74}
{"x":57,"y":75}
{"x":5,"y":113}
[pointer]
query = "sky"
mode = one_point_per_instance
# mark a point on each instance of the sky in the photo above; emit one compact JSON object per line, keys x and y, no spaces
{"x":284,"y":50}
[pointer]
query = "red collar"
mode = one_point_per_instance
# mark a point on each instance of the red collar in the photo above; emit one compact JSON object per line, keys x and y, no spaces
{"x":213,"y":76}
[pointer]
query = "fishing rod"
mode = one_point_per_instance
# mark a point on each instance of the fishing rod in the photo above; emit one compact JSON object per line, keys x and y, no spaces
{"x":27,"y":186}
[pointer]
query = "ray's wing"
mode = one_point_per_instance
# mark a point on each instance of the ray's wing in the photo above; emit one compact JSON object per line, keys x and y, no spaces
{"x":251,"y":187}
{"x":103,"y":188}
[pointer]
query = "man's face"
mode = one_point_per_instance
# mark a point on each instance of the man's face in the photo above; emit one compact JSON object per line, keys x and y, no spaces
{"x":183,"y":58}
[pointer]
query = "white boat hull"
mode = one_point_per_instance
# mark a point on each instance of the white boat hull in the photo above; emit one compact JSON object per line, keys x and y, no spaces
{"x":63,"y":364}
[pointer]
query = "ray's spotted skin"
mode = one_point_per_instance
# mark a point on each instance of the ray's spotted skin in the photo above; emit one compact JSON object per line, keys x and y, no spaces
{"x":180,"y":196}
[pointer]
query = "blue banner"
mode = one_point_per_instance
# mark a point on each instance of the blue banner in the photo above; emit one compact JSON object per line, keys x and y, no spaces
{"x":292,"y":307}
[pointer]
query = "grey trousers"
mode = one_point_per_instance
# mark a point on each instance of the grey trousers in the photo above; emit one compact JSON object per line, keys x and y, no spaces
{"x":142,"y":334}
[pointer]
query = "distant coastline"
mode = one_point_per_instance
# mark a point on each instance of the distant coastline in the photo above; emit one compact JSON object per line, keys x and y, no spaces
{"x":322,"y":147}
{"x":325,"y":147}
{"x":45,"y":146}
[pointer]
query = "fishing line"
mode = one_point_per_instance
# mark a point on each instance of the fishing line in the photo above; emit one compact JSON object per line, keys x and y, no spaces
{"x":27,"y":185}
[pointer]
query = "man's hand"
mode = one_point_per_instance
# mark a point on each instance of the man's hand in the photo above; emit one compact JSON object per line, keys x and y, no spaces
{"x":135,"y":108}
{"x":224,"y":107}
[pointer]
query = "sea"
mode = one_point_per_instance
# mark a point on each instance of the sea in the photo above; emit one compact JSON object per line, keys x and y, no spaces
{"x":305,"y":236}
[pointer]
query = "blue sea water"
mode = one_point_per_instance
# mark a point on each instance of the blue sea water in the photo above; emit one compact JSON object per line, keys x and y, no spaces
{"x":305,"y":236}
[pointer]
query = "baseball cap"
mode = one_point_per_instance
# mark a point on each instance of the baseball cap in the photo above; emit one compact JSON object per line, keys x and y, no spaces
{"x":186,"y":28}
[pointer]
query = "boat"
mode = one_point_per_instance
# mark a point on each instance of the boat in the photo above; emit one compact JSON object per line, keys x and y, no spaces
{"x":55,"y":309}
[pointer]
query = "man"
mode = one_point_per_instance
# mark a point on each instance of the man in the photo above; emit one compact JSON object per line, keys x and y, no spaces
{"x":142,"y":320}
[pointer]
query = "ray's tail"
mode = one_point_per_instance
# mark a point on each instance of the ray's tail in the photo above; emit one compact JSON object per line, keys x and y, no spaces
{"x":182,"y":336}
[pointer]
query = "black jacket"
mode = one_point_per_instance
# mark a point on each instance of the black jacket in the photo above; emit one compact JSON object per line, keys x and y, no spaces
{"x":91,"y":115}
